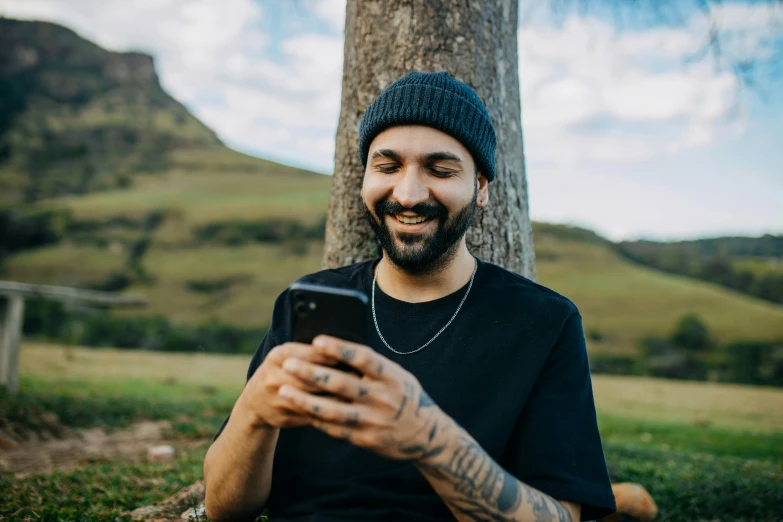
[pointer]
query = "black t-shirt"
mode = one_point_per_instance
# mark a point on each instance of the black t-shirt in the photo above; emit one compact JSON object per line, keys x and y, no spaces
{"x":511,"y":369}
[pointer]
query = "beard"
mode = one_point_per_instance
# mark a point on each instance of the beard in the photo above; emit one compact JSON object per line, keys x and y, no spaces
{"x":424,"y":252}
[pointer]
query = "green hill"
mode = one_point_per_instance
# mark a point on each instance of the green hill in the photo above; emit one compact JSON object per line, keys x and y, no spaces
{"x":751,"y":265}
{"x":624,"y":302}
{"x":76,"y":118}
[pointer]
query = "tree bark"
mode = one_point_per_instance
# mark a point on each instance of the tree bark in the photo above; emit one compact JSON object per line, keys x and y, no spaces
{"x":475,"y":41}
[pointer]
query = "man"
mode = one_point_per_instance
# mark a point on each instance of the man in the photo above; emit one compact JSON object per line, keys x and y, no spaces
{"x":475,"y":402}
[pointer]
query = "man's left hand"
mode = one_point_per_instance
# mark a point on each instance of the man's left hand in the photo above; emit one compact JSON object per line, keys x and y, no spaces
{"x":386,"y":411}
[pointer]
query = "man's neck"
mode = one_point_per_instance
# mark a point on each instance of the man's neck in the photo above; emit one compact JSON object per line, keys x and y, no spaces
{"x":418,"y":288}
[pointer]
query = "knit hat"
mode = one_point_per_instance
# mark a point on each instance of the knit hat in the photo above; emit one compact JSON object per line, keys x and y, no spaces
{"x":436,"y":100}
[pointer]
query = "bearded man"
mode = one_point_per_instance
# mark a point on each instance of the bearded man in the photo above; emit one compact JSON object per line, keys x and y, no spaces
{"x":475,"y":400}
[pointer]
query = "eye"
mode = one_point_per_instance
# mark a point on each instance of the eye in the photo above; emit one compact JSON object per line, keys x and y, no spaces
{"x":387,"y":169}
{"x":441,"y":173}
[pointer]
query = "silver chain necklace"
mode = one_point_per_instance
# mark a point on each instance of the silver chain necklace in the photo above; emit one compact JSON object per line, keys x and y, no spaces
{"x":375,"y":318}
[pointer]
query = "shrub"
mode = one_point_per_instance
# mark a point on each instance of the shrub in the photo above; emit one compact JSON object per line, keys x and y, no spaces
{"x":273,"y":230}
{"x":22,"y":229}
{"x":114,"y":282}
{"x":595,"y":335}
{"x":52,"y":321}
{"x":213,"y":286}
{"x":754,"y":362}
{"x":614,"y":365}
{"x":691,"y":333}
{"x":662,"y":358}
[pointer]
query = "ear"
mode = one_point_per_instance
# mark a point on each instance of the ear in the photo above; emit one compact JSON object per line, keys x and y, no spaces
{"x":482,"y":198}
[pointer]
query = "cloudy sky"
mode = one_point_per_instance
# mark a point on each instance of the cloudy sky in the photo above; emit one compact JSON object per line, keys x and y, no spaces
{"x":624,"y":132}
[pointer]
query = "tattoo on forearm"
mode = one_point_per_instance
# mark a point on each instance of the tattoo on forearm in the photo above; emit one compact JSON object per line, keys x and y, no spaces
{"x":425,"y":400}
{"x":483,"y":490}
{"x":433,"y":431}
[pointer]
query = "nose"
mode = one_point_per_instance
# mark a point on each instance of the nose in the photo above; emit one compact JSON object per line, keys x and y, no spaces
{"x":410,"y":189}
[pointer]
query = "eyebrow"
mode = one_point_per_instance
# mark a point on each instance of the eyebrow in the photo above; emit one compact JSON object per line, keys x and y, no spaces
{"x":425,"y":158}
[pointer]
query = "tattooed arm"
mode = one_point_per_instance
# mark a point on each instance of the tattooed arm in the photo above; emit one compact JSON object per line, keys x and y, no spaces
{"x":475,"y":487}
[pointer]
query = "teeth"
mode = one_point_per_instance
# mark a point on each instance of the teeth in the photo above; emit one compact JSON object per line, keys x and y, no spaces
{"x":411,"y":220}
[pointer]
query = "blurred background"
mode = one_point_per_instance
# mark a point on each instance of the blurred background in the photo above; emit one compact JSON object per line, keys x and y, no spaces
{"x":177,"y":155}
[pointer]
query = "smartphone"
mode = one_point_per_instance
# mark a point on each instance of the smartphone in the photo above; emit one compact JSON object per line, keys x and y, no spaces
{"x":338,"y":312}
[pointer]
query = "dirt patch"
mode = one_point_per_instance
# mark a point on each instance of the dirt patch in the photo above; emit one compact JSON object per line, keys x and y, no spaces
{"x":41,"y":454}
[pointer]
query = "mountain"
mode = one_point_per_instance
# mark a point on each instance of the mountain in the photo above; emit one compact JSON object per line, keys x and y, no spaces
{"x":76,"y":118}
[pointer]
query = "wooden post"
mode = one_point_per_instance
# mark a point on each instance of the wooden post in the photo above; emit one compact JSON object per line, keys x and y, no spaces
{"x":12,"y":296}
{"x":11,"y":313}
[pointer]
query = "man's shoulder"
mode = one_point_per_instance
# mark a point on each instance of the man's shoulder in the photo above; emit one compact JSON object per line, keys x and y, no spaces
{"x":516,"y":290}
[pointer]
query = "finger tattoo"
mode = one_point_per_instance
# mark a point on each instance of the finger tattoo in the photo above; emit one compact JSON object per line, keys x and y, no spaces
{"x":347,"y":353}
{"x":321,"y":379}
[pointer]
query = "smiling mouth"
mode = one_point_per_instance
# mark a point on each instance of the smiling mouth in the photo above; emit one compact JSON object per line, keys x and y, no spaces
{"x":411,"y":220}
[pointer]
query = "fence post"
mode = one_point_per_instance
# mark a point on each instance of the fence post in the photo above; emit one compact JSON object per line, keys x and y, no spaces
{"x":11,"y":314}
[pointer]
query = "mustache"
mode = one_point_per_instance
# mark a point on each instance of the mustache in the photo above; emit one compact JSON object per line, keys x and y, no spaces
{"x":428,"y":210}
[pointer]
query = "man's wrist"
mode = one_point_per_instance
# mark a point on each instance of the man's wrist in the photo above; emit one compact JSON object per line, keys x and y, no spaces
{"x":444,"y":430}
{"x":248,"y":417}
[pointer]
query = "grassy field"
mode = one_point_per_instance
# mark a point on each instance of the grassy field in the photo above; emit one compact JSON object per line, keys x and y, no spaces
{"x":724,"y":470}
{"x":80,"y":370}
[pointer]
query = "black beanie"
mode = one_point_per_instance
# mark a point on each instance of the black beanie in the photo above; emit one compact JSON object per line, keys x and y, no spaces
{"x":436,"y":100}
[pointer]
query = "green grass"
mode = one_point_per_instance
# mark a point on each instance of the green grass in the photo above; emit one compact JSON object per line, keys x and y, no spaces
{"x":144,"y":374}
{"x":97,"y":491}
{"x":65,"y":265}
{"x":204,"y":186}
{"x":267,"y":269}
{"x":725,"y":471}
{"x":665,"y":436}
{"x":701,"y":486}
{"x":753,"y":409}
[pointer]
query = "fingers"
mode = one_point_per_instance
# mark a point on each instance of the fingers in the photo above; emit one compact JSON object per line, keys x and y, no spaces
{"x":363,"y":358}
{"x":293,"y":380}
{"x":326,"y":379}
{"x":299,"y":350}
{"x":326,"y":409}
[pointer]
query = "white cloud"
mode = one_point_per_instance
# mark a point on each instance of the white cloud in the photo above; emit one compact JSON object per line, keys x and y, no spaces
{"x":585,"y":73}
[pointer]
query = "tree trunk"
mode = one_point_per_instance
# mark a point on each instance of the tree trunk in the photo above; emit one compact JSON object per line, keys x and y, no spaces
{"x":475,"y":41}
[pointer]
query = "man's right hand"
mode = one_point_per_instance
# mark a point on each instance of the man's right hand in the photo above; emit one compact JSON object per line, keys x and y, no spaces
{"x":260,"y":402}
